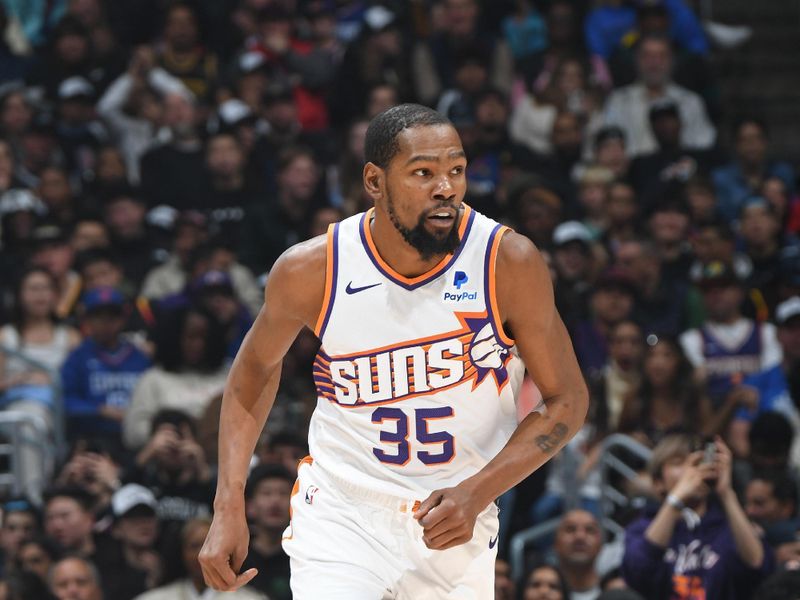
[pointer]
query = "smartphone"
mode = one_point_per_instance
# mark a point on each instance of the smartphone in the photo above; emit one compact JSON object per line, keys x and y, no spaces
{"x":709,"y":452}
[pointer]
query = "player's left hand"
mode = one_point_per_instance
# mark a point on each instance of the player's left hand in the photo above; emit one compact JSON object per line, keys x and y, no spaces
{"x":448,"y":517}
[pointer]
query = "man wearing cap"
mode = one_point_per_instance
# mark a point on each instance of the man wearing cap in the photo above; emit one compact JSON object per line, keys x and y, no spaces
{"x":728,"y":346}
{"x":124,"y":213}
{"x":573,"y":262}
{"x":99,"y":375}
{"x":613,"y":299}
{"x":136,"y":528}
{"x":51,"y":251}
{"x":777,"y":387}
{"x":20,"y":522}
{"x":760,"y":230}
{"x":80,"y":133}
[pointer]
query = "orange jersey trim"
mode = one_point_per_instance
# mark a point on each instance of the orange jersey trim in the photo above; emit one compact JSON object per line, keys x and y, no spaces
{"x":441,"y":266}
{"x":493,"y":306}
{"x":329,"y":280}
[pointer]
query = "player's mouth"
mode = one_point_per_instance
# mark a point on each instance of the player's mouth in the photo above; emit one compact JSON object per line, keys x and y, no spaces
{"x":442,"y":218}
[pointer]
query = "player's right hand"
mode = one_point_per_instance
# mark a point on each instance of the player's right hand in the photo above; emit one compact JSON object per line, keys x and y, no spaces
{"x":225,"y":549}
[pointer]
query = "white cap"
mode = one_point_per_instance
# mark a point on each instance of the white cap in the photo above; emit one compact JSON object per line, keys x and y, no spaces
{"x":378,"y":17}
{"x":571,"y":231}
{"x":130,"y":496}
{"x":787,"y":309}
{"x":73,"y":87}
{"x":250,"y":61}
{"x":234,"y":110}
{"x":21,"y":199}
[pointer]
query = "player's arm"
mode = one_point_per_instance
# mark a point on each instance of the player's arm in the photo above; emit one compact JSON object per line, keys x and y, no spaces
{"x":292,"y":300}
{"x":527,"y":309}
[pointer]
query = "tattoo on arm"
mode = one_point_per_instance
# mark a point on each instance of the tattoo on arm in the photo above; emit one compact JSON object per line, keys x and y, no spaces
{"x":550,"y":441}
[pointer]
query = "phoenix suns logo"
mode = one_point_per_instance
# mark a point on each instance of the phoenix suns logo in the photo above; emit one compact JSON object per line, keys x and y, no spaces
{"x":472,"y":352}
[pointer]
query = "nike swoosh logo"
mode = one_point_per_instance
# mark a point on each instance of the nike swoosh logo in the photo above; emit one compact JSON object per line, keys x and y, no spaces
{"x":354,"y":290}
{"x":492,"y":542}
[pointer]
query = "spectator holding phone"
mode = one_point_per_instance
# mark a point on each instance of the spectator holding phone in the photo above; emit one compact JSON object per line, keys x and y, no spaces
{"x":699,"y":543}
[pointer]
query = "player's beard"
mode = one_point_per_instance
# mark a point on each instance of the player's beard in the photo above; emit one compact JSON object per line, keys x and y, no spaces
{"x":427,"y":244}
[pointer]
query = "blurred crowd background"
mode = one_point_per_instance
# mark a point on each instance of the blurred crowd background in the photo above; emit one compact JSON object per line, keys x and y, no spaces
{"x":157,"y":156}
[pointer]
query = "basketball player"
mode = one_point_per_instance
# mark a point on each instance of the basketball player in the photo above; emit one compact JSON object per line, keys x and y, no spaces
{"x":426,"y":311}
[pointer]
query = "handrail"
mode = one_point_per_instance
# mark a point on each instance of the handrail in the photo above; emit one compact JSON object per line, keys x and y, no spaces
{"x":610,"y":499}
{"x":15,"y":425}
{"x":59,"y":416}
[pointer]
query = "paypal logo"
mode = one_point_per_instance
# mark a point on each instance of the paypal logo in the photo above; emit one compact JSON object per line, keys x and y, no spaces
{"x":460,"y":279}
{"x":459,"y":296}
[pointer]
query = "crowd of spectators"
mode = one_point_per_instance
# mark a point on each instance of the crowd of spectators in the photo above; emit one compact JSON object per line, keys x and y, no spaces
{"x":157,"y":156}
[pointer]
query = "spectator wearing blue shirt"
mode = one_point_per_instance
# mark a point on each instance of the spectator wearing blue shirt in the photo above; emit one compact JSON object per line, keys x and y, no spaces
{"x":609,"y":23}
{"x":751,"y":166}
{"x":777,"y":389}
{"x":100,"y":374}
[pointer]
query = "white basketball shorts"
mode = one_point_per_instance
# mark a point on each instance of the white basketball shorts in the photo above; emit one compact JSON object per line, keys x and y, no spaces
{"x":347,"y":543}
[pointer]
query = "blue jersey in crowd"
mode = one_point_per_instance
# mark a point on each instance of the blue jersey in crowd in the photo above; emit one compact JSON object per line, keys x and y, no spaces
{"x":725,"y":368}
{"x":94,"y":376}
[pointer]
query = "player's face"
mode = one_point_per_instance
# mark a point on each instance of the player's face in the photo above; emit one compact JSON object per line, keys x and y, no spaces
{"x":425,"y":185}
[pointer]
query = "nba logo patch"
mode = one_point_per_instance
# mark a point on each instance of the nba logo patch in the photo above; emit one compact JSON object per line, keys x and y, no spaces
{"x":312,"y":489}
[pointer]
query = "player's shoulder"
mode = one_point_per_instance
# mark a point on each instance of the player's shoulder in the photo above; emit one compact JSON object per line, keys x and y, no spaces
{"x":516,"y":251}
{"x":303,"y":260}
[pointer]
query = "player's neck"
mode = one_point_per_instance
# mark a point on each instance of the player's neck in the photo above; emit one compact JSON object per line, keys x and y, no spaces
{"x":396,"y":251}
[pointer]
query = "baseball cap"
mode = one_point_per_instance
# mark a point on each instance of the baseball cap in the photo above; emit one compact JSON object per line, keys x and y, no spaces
{"x":715,"y":273}
{"x":48,"y":235}
{"x":787,"y":310}
{"x":20,"y":200}
{"x":75,"y":87}
{"x":214,"y":279}
{"x":616,"y":278}
{"x":102,"y":297}
{"x":129,"y":497}
{"x":571,"y":231}
{"x":250,"y":62}
{"x":234,"y":111}
{"x":378,"y":18}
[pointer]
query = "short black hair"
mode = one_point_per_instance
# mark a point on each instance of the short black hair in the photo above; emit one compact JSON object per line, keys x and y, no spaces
{"x":93,"y":256}
{"x":749,"y":120}
{"x":169,"y":332}
{"x":783,"y":488}
{"x":176,"y":418}
{"x":771,"y":435}
{"x":79,"y":495}
{"x":381,"y":145}
{"x":264,"y":472}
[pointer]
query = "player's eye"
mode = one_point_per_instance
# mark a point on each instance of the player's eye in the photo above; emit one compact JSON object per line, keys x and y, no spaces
{"x":422,"y":172}
{"x":457,"y":170}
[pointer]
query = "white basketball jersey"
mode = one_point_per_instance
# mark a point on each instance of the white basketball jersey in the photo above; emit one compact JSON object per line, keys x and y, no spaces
{"x":416,"y":379}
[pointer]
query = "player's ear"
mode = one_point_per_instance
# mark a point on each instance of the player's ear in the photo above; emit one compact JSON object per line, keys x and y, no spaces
{"x":373,"y":180}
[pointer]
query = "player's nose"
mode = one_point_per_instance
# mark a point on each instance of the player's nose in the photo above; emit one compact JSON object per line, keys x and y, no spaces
{"x":443,"y":189}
